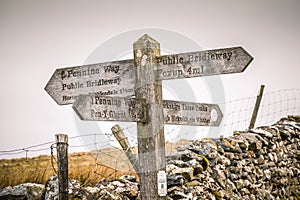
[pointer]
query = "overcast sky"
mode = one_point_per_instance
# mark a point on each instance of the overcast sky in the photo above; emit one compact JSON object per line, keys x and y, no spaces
{"x":37,"y":37}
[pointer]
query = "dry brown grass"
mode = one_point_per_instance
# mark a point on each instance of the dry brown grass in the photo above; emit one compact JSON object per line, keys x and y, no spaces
{"x":22,"y":170}
{"x":88,"y":168}
{"x":82,"y":166}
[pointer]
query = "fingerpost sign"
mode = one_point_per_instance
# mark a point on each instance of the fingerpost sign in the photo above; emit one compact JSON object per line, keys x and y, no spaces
{"x":131,"y":90}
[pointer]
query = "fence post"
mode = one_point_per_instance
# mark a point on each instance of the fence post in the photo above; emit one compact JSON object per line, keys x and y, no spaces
{"x":120,"y":136}
{"x":151,"y":141}
{"x":62,"y":163}
{"x":256,"y":107}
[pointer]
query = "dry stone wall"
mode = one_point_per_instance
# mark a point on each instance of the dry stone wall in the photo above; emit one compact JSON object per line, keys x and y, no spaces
{"x":260,"y":164}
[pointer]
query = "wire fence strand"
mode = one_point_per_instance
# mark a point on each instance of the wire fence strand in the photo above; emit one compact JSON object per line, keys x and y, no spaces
{"x":108,"y":159}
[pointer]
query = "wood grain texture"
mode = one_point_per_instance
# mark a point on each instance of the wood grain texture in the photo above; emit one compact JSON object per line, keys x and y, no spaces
{"x":256,"y":107}
{"x":202,"y":63}
{"x":123,"y":141}
{"x":151,"y":141}
{"x":115,"y":78}
{"x":102,"y":108}
{"x":192,"y":114}
{"x":62,"y":165}
{"x":105,"y":108}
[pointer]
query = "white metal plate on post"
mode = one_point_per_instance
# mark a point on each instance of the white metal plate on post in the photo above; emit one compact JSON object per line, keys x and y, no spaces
{"x":162,"y":183}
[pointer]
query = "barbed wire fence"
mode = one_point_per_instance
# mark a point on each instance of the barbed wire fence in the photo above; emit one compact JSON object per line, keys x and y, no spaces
{"x":107,"y":159}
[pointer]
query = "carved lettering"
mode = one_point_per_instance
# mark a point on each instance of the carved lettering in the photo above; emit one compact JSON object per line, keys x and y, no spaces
{"x":68,"y":98}
{"x":203,"y":120}
{"x":205,"y":56}
{"x":188,"y":113}
{"x":104,"y":101}
{"x":170,"y":60}
{"x":100,"y":82}
{"x":72,"y":86}
{"x":169,"y":73}
{"x":188,"y":107}
{"x":171,"y":105}
{"x":108,"y":114}
{"x":107,"y":93}
{"x":78,"y":73}
{"x":111,"y":68}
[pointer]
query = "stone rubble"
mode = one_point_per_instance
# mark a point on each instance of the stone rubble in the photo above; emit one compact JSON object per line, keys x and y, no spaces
{"x":263,"y":163}
{"x":28,"y":191}
{"x":257,"y":164}
{"x":51,"y":188}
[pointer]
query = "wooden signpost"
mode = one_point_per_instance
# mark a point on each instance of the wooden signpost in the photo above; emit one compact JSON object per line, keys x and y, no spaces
{"x":105,"y":92}
{"x":104,"y":108}
{"x":112,"y":78}
{"x":203,"y":63}
{"x":193,"y":114}
{"x":118,"y":78}
{"x":151,"y":137}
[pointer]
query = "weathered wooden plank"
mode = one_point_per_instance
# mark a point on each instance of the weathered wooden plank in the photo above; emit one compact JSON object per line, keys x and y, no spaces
{"x":151,"y":141}
{"x":192,"y":114}
{"x":104,"y":108}
{"x":203,"y":63}
{"x":118,"y":78}
{"x":112,"y":78}
{"x":256,"y":107}
{"x":98,"y":108}
{"x":62,"y":165}
{"x":123,"y":141}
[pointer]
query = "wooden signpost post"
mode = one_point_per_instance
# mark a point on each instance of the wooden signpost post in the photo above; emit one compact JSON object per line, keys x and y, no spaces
{"x":151,"y":138}
{"x":104,"y":92}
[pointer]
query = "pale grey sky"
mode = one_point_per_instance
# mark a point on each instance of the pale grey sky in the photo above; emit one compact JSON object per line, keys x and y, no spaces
{"x":37,"y":37}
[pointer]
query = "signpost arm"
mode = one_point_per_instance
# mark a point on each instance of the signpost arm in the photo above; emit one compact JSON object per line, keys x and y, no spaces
{"x":151,"y":142}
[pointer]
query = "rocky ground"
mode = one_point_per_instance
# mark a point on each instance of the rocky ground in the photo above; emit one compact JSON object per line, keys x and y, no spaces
{"x":263,"y":163}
